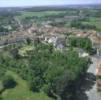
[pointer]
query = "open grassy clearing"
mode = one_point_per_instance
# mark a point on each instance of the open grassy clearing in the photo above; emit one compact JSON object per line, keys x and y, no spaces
{"x":23,"y":51}
{"x":21,"y":91}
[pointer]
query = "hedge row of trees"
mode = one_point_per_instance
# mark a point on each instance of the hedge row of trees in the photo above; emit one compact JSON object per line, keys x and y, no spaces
{"x":80,"y":25}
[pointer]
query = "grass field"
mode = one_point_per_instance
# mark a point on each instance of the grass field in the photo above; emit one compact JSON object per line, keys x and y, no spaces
{"x":38,"y":14}
{"x":21,"y":91}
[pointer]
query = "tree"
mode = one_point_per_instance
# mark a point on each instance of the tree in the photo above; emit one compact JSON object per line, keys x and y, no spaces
{"x":28,"y":40}
{"x":52,"y":71}
{"x":84,"y":43}
{"x":79,"y":24}
{"x":15,"y":53}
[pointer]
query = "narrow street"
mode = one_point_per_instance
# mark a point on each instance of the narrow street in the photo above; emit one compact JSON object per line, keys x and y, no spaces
{"x":92,"y":93}
{"x":88,"y":86}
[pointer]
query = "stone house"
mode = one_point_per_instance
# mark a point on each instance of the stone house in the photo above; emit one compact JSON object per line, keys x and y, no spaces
{"x":58,"y":42}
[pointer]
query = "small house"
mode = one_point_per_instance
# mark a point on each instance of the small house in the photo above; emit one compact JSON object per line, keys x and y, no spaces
{"x":82,"y":53}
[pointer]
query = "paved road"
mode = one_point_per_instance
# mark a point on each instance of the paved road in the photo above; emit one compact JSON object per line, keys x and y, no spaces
{"x":91,"y":93}
{"x":88,"y":86}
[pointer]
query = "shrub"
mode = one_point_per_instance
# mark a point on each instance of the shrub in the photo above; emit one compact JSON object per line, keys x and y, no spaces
{"x":8,"y":82}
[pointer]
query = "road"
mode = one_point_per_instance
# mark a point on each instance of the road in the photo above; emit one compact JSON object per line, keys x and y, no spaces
{"x":88,"y":85}
{"x":91,"y":93}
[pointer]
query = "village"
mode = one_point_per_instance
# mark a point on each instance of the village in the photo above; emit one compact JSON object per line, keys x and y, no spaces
{"x":59,"y":36}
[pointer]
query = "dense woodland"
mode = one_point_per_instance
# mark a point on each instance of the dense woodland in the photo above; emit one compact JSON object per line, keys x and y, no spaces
{"x":46,"y":69}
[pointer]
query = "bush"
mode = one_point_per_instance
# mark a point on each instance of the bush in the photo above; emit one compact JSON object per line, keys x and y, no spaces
{"x":8,"y":82}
